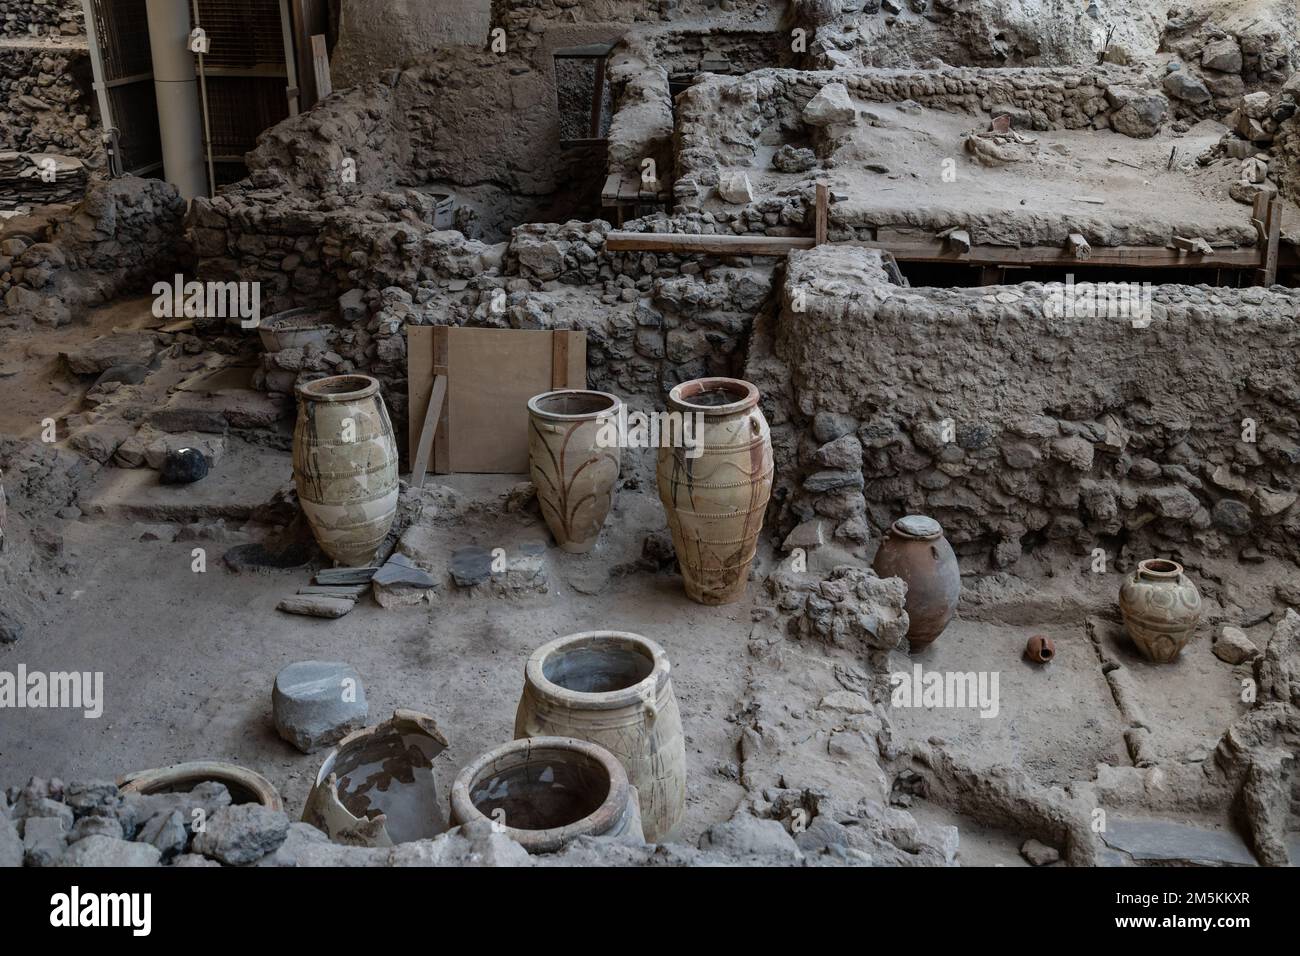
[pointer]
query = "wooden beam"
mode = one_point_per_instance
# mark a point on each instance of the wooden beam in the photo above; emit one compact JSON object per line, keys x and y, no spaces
{"x":427,"y":433}
{"x":1079,"y":246}
{"x":1268,"y":275}
{"x":1138,"y":257}
{"x":320,"y":64}
{"x":684,"y":244}
{"x":823,"y":201}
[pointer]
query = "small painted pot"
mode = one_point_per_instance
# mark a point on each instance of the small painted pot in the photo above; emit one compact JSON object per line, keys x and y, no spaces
{"x":1161,"y":609}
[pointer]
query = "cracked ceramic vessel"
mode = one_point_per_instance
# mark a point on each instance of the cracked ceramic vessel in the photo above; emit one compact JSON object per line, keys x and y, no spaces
{"x":245,"y":786}
{"x":345,"y":466}
{"x":613,"y":688}
{"x":544,"y":792}
{"x":716,"y":501}
{"x":915,"y":550}
{"x":377,"y":787}
{"x":1161,"y":609}
{"x":573,"y":474}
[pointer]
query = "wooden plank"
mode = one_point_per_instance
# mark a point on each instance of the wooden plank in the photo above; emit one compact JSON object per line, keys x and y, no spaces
{"x":419,"y":382}
{"x":442,"y":433}
{"x":575,"y":375}
{"x":1152,"y":257}
{"x":609,"y":192}
{"x":432,"y":414}
{"x":559,"y":360}
{"x":703,"y":245}
{"x":492,"y":373}
{"x":823,"y":200}
{"x":320,"y":65}
{"x":1269,"y":276}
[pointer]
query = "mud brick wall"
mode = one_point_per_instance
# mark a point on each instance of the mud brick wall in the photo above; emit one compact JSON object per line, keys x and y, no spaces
{"x":1013,"y":428}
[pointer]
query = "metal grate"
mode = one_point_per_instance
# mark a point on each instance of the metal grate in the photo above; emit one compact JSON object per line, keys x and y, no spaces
{"x":124,"y":37}
{"x":240,"y":108}
{"x":242,"y":34}
{"x":136,"y":113}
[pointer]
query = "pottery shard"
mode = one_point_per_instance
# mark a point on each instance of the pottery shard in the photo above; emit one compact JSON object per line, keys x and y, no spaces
{"x":830,"y":105}
{"x":241,"y":834}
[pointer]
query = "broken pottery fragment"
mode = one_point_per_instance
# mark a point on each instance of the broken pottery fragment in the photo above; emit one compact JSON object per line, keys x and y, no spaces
{"x":244,"y":786}
{"x":377,"y":788}
{"x":545,"y":792}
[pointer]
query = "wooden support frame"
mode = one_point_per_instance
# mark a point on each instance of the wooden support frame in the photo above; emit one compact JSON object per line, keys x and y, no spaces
{"x":823,"y":203}
{"x":468,"y":389}
{"x":1141,"y":257}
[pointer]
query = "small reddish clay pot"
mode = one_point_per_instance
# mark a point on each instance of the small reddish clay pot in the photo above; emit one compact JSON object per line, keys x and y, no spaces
{"x":1040,"y":649}
{"x":915,"y":550}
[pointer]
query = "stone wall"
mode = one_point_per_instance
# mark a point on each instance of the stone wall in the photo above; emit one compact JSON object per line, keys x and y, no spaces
{"x":1015,"y":428}
{"x":523,"y":15}
{"x":124,"y":236}
{"x":49,"y":17}
{"x":47,"y":103}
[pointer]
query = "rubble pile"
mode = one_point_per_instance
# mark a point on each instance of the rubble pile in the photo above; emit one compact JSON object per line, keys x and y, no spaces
{"x":47,"y":103}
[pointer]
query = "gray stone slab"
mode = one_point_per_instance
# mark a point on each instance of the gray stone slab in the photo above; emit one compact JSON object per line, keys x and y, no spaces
{"x":1164,"y":841}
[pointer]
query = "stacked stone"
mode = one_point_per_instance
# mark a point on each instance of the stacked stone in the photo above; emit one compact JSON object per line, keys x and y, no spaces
{"x":124,"y":236}
{"x":42,"y":18}
{"x":1003,"y":455}
{"x":43,"y":107}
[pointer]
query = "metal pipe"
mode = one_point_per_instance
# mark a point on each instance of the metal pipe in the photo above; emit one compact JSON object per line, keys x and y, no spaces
{"x":177,"y":94}
{"x":207,"y":120}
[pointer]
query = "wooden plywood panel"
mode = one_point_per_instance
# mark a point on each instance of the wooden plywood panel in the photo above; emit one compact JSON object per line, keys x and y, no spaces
{"x":490,"y":376}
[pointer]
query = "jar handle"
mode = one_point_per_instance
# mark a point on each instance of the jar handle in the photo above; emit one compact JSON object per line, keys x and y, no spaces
{"x":651,"y":708}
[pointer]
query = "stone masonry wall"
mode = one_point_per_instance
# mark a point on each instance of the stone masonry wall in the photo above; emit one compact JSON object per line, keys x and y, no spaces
{"x":721,"y":119}
{"x":47,"y":104}
{"x":1013,"y":428}
{"x":49,"y":17}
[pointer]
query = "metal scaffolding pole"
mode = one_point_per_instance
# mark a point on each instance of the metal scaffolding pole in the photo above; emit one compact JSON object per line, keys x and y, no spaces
{"x":176,"y":89}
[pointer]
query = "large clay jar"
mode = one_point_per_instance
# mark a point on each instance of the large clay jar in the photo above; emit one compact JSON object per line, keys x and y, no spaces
{"x":545,"y":792}
{"x":613,"y":688}
{"x":716,"y":499}
{"x":1161,"y":609}
{"x":345,"y":465}
{"x":573,"y":473}
{"x":915,"y":550}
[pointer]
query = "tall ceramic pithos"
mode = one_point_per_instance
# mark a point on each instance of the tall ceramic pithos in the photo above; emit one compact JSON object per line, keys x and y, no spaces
{"x":1161,"y":609}
{"x":345,"y":465}
{"x":915,"y":550}
{"x":574,"y":475}
{"x":715,"y":484}
{"x":613,"y":688}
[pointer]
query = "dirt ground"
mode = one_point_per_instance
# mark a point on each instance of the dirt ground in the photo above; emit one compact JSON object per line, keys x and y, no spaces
{"x":189,"y":657}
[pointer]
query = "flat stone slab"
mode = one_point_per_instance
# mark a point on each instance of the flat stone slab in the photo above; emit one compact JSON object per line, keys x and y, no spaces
{"x":311,"y":605}
{"x":318,"y":703}
{"x":1163,"y":841}
{"x":471,"y":566}
{"x":330,"y":576}
{"x":348,"y":592}
{"x":399,"y":571}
